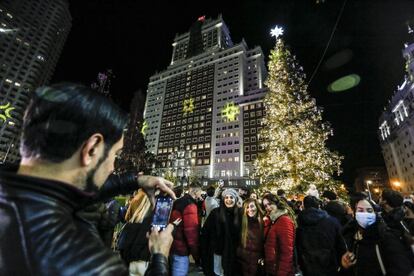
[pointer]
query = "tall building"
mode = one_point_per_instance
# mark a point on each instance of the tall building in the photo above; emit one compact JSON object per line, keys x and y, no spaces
{"x":203,"y":113}
{"x":396,"y":130}
{"x":32,"y":35}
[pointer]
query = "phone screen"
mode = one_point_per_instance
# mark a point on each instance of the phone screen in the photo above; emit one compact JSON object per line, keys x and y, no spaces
{"x":163,"y":207}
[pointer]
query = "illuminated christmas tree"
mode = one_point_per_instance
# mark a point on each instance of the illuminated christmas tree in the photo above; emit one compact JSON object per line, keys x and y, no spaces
{"x":134,"y":156}
{"x":293,"y":137}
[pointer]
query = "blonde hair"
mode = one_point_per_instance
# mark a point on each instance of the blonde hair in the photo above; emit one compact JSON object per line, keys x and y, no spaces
{"x":245,"y":223}
{"x":139,"y":208}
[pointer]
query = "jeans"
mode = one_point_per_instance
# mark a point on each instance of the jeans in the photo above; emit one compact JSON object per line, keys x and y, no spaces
{"x":179,"y":265}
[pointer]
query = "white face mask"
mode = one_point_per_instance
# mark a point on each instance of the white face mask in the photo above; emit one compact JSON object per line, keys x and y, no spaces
{"x":365,"y":219}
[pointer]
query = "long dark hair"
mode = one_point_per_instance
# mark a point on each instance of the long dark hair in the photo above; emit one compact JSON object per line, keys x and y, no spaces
{"x":280,"y":204}
{"x":245,"y":219}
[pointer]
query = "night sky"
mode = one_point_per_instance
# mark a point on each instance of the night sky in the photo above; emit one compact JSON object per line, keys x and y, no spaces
{"x":133,"y":38}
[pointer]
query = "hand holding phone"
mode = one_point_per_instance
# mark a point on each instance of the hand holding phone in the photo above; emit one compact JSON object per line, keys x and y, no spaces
{"x":162,"y":211}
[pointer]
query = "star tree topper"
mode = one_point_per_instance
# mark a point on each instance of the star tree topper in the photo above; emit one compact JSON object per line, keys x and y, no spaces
{"x":276,"y":31}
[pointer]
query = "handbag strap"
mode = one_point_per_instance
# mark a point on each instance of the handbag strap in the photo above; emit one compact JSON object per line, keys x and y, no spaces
{"x":380,"y":260}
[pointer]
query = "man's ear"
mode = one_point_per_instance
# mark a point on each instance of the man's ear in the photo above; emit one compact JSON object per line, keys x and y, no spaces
{"x":91,"y":148}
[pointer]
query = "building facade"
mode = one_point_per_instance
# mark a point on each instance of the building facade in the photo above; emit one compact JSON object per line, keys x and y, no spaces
{"x":203,"y":113}
{"x":396,"y":130}
{"x":32,"y":36}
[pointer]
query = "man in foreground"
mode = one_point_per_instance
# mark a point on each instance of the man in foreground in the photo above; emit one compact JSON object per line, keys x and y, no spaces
{"x":71,"y":136}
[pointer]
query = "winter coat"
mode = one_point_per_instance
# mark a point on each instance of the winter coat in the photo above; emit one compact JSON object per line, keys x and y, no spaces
{"x":396,"y":258}
{"x":279,"y":244}
{"x":186,"y":236}
{"x":409,"y":223}
{"x":319,"y":243}
{"x":138,"y":248}
{"x":248,"y":256}
{"x":393,"y":219}
{"x":221,"y":239}
{"x":47,"y":236}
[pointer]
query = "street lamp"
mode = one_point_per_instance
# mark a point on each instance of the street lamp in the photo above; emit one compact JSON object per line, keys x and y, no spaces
{"x":369,"y":182}
{"x":397,"y":185}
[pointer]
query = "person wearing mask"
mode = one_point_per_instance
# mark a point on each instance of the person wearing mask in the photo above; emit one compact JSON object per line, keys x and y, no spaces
{"x":250,"y":250}
{"x":318,"y":240}
{"x":279,"y":236}
{"x":221,"y":236}
{"x":186,"y":237}
{"x":372,"y":248}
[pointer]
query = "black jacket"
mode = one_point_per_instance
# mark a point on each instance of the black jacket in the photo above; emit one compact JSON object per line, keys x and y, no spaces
{"x":42,"y":234}
{"x":319,"y":242}
{"x":396,"y":258}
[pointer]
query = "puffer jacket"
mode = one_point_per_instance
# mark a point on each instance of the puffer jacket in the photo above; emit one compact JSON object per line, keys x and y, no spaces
{"x":47,"y":237}
{"x":279,"y":245}
{"x":187,"y":233}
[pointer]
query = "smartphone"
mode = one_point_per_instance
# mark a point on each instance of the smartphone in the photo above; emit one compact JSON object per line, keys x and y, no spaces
{"x":163,"y":207}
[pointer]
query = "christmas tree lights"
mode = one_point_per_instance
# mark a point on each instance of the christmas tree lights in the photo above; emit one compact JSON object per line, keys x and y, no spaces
{"x":294,"y":136}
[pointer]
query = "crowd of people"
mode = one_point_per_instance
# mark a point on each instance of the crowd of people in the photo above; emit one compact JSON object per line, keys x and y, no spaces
{"x":228,"y":231}
{"x":58,"y":213}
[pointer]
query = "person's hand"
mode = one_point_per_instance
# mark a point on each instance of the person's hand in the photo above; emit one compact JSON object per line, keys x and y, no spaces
{"x":152,"y":183}
{"x":159,"y":242}
{"x":348,"y":259}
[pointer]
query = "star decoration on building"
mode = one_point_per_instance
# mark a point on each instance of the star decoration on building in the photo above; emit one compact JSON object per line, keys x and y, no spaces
{"x":144,"y":128}
{"x":230,"y":111}
{"x":276,"y":31}
{"x":188,"y":105}
{"x":7,"y":109}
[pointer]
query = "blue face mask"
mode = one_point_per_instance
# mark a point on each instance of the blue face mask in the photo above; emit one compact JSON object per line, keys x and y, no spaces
{"x":365,"y":219}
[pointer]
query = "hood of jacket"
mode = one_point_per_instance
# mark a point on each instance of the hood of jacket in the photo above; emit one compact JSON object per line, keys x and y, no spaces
{"x":312,"y":216}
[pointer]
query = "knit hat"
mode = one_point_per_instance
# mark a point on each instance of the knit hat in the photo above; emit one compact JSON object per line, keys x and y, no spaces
{"x":230,"y":191}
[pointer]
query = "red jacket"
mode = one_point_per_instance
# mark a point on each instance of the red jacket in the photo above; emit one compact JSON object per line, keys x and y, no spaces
{"x":279,"y":243}
{"x":187,"y":232}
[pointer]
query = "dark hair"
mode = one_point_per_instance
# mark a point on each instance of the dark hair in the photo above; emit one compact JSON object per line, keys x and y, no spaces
{"x":409,"y":205}
{"x":178,"y":191}
{"x":210,"y":191}
{"x":393,"y":198}
{"x":60,"y":117}
{"x":310,"y":201}
{"x":275,"y":200}
{"x":329,"y":195}
{"x":357,"y":197}
{"x":280,"y":192}
{"x":195,"y":185}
